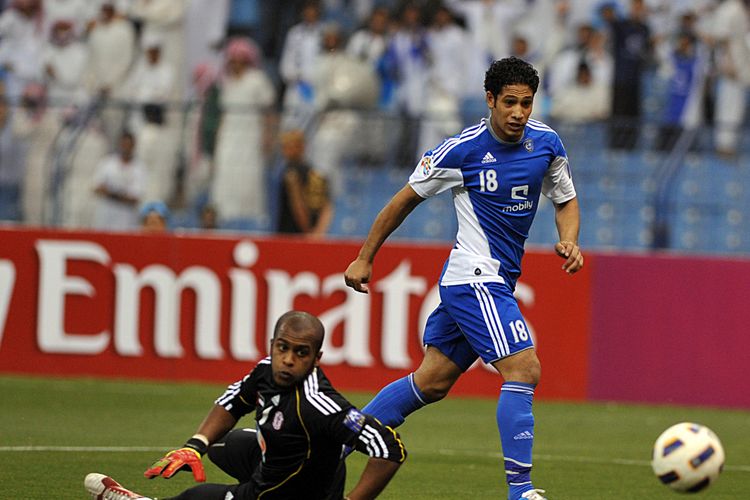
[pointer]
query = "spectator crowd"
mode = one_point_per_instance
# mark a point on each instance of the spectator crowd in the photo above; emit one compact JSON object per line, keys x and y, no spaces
{"x":246,"y":111}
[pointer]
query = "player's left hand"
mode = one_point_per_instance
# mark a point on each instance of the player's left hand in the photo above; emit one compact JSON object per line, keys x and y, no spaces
{"x":572,"y":255}
{"x":357,"y":275}
{"x":175,"y":461}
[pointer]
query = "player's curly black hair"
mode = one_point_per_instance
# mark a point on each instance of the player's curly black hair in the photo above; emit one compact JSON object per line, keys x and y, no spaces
{"x":510,"y":71}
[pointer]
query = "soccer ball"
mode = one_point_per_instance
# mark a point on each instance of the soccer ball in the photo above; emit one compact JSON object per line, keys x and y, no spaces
{"x":688,"y":457}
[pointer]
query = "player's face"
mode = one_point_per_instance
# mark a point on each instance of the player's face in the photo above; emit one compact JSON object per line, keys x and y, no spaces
{"x":294,"y":354}
{"x":510,"y":111}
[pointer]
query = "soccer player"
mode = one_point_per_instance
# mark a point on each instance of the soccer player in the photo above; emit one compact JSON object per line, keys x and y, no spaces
{"x":301,"y":427}
{"x":496,"y":170}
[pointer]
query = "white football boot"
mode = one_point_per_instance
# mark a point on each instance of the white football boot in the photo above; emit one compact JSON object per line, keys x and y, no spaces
{"x":103,"y":487}
{"x":533,"y":495}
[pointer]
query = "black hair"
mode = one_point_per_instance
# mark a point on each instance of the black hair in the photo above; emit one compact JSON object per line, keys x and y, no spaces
{"x":584,"y":66}
{"x":510,"y":71}
{"x":300,"y":320}
{"x":127,"y":134}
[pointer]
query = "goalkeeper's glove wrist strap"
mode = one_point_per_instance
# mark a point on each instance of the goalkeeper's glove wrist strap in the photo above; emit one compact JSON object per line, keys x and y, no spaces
{"x":197,"y":444}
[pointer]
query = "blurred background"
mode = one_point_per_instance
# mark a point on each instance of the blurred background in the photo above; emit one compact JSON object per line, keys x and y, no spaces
{"x":306,"y":116}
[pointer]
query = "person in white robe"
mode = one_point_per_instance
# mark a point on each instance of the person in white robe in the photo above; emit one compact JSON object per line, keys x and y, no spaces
{"x":64,"y":59}
{"x":152,"y":87}
{"x":164,"y":19}
{"x":238,"y":189}
{"x":78,"y":200}
{"x":446,"y":82}
{"x":409,"y":60}
{"x":119,"y":183}
{"x":346,"y":88}
{"x":489,"y":24}
{"x":298,"y":66}
{"x":34,"y":124}
{"x":368,"y":45}
{"x":22,"y":38}
{"x":584,"y":101}
{"x":111,"y":52}
{"x":731,"y":30}
{"x":12,"y":164}
{"x":79,"y":12}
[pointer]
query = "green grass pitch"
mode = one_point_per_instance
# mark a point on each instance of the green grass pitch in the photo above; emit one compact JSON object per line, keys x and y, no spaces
{"x":54,"y":431}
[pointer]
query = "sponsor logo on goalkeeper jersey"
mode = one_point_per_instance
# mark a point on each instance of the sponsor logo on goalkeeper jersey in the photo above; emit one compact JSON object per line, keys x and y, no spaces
{"x":278,"y":420}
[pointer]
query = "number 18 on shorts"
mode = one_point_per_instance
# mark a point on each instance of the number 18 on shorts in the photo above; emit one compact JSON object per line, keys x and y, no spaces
{"x":477,"y":319}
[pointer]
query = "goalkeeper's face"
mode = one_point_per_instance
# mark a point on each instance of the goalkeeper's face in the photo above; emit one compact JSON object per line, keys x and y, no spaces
{"x":294,"y":354}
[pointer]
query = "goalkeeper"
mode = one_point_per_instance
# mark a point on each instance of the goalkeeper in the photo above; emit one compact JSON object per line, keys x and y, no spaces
{"x":295,"y":449}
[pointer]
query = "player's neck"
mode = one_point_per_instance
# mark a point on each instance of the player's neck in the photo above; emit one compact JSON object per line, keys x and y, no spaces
{"x":494,"y":133}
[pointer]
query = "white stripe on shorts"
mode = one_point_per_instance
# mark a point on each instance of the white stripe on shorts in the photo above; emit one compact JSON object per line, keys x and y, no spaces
{"x":496,"y":315}
{"x":489,"y":320}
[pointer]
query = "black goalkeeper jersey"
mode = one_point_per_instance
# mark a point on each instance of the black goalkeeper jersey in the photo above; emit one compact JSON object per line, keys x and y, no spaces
{"x":301,"y":431}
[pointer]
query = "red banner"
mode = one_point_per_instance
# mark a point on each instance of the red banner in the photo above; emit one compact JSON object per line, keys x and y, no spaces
{"x":185,"y":307}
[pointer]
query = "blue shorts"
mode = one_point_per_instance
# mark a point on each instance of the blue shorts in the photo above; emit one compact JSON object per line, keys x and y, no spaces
{"x":477,"y":320}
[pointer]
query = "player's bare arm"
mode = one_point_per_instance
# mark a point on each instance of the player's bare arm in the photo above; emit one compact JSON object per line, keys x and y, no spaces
{"x":216,"y":424}
{"x":388,"y":220}
{"x":568,"y":220}
{"x":378,"y":472}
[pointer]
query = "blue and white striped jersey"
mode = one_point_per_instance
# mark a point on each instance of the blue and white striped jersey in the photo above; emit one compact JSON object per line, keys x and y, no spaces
{"x":496,"y":187}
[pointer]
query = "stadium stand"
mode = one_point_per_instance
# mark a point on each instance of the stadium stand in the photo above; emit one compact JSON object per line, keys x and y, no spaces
{"x":688,"y":198}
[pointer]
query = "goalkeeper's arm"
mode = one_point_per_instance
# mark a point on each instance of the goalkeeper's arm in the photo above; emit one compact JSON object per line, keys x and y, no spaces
{"x":216,"y":424}
{"x":387,"y":453}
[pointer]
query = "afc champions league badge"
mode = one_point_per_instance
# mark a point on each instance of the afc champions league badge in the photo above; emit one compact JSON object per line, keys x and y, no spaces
{"x":278,"y":420}
{"x":529,"y":145}
{"x":426,"y":165}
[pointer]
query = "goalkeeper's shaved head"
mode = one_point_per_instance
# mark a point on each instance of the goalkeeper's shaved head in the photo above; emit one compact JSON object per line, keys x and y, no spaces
{"x":301,"y":321}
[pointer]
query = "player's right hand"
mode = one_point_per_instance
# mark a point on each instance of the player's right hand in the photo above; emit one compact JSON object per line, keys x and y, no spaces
{"x":175,"y":461}
{"x":357,"y":275}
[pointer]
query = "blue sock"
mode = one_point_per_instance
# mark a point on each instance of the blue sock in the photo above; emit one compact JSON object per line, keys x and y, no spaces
{"x":396,"y":401}
{"x":516,"y":424}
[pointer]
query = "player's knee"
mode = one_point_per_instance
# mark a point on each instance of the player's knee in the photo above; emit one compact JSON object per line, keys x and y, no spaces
{"x":435,"y":390}
{"x":533,"y":374}
{"x":529,"y":372}
{"x":526,"y":369}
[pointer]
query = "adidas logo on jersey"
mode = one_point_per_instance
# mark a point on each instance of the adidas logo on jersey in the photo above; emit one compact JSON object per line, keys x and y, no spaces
{"x":488,"y":158}
{"x":523,"y":435}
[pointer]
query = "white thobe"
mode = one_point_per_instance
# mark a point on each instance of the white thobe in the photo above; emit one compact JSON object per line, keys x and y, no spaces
{"x":166,"y":20}
{"x":111,"y":48}
{"x":731,"y":27}
{"x":78,"y":12}
{"x":238,"y":189}
{"x":21,"y":49}
{"x":68,"y":64}
{"x":445,"y":87}
{"x":126,"y":178}
{"x":297,"y":66}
